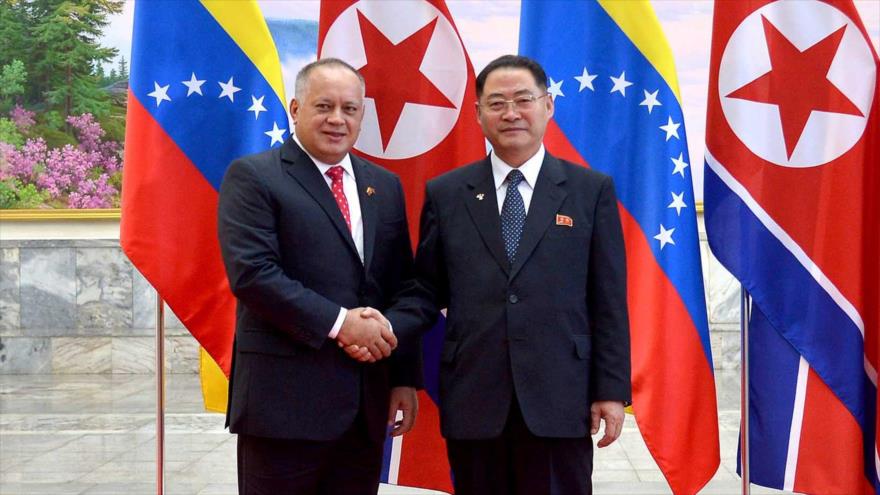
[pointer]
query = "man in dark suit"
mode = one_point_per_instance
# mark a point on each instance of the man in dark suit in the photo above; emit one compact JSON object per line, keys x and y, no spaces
{"x":526,"y":252}
{"x":310,"y":236}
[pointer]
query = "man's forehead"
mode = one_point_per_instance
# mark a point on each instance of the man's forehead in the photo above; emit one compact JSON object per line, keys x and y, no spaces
{"x":319,"y":84}
{"x":509,"y":80}
{"x":333,"y":72}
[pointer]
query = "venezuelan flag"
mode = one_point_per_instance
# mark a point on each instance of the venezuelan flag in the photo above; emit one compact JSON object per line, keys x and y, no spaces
{"x":618,"y":110}
{"x":205,"y":88}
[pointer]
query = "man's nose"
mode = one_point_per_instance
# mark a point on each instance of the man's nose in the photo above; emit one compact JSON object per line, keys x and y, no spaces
{"x":335,"y":116}
{"x":510,"y":111}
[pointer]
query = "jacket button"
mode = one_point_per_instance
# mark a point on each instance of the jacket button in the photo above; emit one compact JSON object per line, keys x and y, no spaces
{"x":513,"y":299}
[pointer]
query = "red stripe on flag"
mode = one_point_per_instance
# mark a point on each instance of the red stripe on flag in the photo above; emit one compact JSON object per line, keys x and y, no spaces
{"x":559,"y":146}
{"x":830,"y":459}
{"x":422,"y":467}
{"x":670,"y":375}
{"x":169,"y":231}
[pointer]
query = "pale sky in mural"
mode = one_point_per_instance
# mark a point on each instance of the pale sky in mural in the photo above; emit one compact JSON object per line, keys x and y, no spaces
{"x":490,"y":29}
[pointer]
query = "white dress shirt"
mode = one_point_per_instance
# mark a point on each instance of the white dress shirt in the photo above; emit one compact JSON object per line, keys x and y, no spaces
{"x":530,"y":170}
{"x":349,"y":187}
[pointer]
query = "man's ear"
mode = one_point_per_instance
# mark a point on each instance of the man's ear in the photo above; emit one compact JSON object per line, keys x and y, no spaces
{"x":294,"y":106}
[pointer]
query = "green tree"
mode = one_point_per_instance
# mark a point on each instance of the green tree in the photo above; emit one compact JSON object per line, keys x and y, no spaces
{"x":12,"y":79}
{"x":66,"y":34}
{"x":99,"y":73}
{"x":9,"y":132}
{"x":123,"y":68}
{"x":13,"y":30}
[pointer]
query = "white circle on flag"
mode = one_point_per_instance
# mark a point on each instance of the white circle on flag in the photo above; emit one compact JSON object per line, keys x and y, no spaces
{"x":758,"y":125}
{"x":420,"y":127}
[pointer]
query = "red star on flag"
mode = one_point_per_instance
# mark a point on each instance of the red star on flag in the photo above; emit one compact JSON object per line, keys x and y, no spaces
{"x":393,"y":77}
{"x":798,"y":83}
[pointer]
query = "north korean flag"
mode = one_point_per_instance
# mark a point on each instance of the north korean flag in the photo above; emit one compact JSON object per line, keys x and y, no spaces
{"x":791,"y":196}
{"x":419,"y":121}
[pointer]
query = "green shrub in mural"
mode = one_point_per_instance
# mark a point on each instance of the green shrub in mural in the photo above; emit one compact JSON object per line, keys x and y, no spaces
{"x":62,"y":119}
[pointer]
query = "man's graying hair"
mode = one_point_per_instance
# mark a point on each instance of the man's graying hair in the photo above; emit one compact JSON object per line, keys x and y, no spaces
{"x":302,"y":78}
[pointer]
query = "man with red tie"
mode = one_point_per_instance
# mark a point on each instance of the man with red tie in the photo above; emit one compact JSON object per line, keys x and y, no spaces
{"x":311,"y":235}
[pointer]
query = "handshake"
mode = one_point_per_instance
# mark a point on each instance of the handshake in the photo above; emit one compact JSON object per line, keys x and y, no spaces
{"x":366,"y":335}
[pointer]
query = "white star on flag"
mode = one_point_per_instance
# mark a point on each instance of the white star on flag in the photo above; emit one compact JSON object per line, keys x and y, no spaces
{"x":276,"y":134}
{"x":586,"y":80}
{"x":229,"y":90}
{"x":651,"y":100}
{"x":671,"y":129}
{"x":555,"y":89}
{"x":160,"y":93}
{"x":257,"y":106}
{"x":665,"y":236}
{"x":620,"y":84}
{"x":677,"y":202}
{"x":193,"y":85}
{"x":680,"y":164}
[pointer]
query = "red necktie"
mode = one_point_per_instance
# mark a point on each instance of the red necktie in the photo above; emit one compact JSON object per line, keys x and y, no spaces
{"x":335,"y":174}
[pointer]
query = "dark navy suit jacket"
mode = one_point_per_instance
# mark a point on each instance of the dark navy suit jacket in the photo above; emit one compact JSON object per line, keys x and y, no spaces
{"x":292,"y":263}
{"x":551,"y":330}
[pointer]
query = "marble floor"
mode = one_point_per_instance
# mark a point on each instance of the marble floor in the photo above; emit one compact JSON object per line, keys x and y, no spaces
{"x":95,"y":434}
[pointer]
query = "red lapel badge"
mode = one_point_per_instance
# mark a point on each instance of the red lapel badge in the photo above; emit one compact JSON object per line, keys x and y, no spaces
{"x":564,"y":220}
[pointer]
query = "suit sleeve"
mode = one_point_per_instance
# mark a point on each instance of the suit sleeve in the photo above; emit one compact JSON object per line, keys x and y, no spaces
{"x":251,"y":253}
{"x":406,"y":360}
{"x":418,"y":305}
{"x":606,"y":300}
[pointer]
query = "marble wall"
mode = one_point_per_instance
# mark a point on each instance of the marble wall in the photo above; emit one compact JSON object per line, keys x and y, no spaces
{"x":79,"y":306}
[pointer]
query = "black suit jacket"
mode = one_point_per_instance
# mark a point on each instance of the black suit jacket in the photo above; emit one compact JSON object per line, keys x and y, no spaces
{"x":292,"y":264}
{"x":551,"y":330}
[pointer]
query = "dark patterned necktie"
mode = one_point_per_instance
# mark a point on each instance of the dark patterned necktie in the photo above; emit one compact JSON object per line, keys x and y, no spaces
{"x":513,"y":214}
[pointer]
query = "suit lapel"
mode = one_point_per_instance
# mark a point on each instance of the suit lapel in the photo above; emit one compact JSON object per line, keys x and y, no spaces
{"x":369,"y":209}
{"x":300,"y":167}
{"x":482,"y":204}
{"x":546,"y":200}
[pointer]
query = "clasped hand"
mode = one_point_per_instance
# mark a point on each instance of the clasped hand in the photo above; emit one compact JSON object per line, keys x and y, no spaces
{"x":366,"y":335}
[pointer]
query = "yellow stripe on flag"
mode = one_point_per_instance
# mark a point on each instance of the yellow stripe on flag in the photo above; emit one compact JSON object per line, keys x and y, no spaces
{"x":244,"y":23}
{"x":215,"y":385}
{"x":639,"y":21}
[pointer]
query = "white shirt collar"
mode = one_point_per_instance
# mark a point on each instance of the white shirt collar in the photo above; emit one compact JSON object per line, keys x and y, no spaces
{"x":529,"y":169}
{"x":345,"y":163}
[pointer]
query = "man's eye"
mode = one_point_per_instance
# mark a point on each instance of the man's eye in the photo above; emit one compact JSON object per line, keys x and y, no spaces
{"x":496,"y":105}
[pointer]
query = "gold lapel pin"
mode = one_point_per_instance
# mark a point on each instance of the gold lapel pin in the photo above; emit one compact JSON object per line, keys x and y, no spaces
{"x":481,"y":196}
{"x":370,"y":191}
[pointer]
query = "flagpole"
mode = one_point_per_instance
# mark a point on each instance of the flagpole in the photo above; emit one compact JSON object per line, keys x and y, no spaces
{"x":745,"y":316}
{"x":160,"y":395}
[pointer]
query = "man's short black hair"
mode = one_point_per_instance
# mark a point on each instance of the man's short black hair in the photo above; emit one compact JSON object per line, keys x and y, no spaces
{"x":514,"y":62}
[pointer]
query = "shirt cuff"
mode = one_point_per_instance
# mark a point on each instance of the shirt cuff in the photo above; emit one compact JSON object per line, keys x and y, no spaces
{"x":338,"y":325}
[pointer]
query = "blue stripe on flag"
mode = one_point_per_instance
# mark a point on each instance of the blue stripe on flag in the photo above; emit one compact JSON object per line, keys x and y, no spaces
{"x":773,"y":382}
{"x":617,"y":127}
{"x":211,"y":131}
{"x":432,"y":344}
{"x":814,"y":324}
{"x":386,"y":460}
